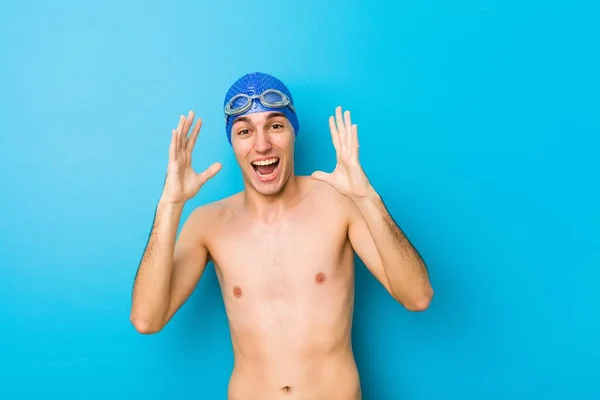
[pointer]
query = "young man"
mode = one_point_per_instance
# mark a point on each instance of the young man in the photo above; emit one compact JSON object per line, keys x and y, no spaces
{"x":283,"y":250}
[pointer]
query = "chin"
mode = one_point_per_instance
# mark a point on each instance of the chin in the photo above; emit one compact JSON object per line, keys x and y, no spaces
{"x":267,"y":175}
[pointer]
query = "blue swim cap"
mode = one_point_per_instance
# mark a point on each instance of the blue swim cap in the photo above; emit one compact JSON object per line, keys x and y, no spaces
{"x":275,"y":97}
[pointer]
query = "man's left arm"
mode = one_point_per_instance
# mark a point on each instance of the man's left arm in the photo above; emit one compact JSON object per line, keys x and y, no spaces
{"x":374,"y":235}
{"x":387,"y":253}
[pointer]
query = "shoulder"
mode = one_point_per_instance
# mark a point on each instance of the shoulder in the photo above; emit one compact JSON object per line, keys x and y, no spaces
{"x":328,"y":193}
{"x":218,"y":209}
{"x":210,"y":216}
{"x":330,"y":200}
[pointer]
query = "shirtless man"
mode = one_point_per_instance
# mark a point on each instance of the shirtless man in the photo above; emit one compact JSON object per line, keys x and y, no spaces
{"x":283,"y":250}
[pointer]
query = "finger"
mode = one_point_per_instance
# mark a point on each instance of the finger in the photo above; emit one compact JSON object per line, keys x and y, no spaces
{"x":334,"y":134}
{"x":340,"y":127}
{"x":186,"y":128}
{"x":191,"y":142}
{"x":179,"y":130}
{"x":355,"y":140}
{"x":172,"y":152}
{"x":209,"y":173}
{"x":348,"y":131}
{"x":321,"y":176}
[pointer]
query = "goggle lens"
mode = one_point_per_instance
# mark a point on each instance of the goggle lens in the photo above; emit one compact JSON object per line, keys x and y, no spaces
{"x":269,"y":98}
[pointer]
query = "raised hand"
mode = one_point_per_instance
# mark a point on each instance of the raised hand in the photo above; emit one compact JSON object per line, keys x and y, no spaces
{"x":182,"y":182}
{"x":348,"y":177}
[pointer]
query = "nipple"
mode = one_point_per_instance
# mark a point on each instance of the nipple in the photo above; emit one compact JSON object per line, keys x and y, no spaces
{"x":320,"y":278}
{"x":237,"y":292}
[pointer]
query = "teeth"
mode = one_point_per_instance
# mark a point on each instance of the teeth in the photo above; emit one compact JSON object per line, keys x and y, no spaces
{"x":266,"y":162}
{"x":267,"y":175}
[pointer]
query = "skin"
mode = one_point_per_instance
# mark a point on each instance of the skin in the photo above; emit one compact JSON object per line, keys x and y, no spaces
{"x":283,"y":252}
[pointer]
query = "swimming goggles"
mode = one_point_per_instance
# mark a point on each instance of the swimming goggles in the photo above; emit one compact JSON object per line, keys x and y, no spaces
{"x":270,"y":98}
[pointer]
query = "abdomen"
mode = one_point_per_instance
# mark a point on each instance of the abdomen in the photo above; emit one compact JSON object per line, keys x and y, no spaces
{"x":331,"y":377}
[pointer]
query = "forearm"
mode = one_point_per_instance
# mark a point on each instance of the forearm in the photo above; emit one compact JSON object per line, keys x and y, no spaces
{"x":404,"y":268}
{"x":151,"y":290}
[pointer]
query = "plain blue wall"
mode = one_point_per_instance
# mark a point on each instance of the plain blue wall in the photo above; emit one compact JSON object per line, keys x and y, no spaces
{"x":478,"y":123}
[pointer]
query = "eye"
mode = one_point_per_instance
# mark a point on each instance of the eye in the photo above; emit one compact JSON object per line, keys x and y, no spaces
{"x":277,"y":125}
{"x":243,"y":131}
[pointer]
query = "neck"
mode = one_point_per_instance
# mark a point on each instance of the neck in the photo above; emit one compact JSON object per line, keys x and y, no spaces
{"x":269,"y":207}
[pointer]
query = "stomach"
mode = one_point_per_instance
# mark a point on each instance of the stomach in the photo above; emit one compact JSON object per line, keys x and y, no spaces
{"x":302,"y":353}
{"x":291,"y":376}
{"x":300,"y":327}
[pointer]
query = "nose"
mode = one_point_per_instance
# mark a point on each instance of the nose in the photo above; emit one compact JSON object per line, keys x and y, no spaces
{"x":263,"y":142}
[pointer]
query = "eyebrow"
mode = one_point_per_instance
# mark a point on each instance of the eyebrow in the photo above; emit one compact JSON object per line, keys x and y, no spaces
{"x":241,"y":119}
{"x":273,"y":114}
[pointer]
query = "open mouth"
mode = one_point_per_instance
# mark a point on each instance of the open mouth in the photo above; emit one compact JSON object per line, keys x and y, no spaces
{"x":266,"y":170}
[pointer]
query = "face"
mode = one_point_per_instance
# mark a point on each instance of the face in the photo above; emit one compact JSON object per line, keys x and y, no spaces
{"x":263,"y":144}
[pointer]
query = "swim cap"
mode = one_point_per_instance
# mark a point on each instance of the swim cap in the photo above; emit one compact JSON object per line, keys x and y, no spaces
{"x":258,"y":92}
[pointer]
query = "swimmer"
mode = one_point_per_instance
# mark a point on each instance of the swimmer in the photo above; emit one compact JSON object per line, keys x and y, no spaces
{"x":283,"y":249}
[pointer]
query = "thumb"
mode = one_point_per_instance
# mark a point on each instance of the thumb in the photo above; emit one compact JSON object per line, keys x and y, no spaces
{"x":208,"y":173}
{"x":321,"y":176}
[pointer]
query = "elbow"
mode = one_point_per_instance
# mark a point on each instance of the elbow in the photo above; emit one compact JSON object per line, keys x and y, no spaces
{"x":145,"y":326}
{"x":419,"y":301}
{"x":418,"y":305}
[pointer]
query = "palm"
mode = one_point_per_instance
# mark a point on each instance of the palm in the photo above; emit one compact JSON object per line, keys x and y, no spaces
{"x":182,"y":182}
{"x":345,"y":180}
{"x":191,"y":183}
{"x":348,"y":177}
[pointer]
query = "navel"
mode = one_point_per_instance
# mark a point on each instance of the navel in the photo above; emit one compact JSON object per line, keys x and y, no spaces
{"x":320,"y":278}
{"x":237,"y":291}
{"x":286,"y":389}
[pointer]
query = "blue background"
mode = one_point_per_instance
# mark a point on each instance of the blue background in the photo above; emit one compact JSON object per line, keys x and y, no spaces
{"x":478,"y":122}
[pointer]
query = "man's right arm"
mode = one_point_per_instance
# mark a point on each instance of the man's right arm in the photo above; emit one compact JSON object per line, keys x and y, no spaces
{"x":170,"y":268}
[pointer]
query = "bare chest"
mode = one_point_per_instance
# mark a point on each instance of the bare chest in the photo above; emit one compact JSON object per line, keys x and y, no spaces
{"x":288,"y":259}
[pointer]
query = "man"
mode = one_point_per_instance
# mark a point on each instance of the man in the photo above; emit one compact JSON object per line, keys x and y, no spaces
{"x":283,"y":249}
